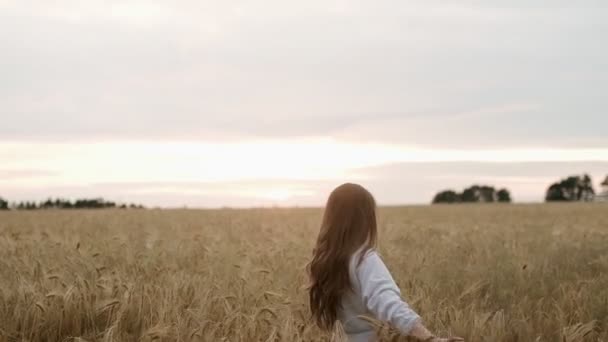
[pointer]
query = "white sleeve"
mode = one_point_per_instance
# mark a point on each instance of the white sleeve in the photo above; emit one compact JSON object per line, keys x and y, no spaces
{"x":381,"y":295}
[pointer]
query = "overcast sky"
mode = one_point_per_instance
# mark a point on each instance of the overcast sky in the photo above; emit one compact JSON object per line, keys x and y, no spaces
{"x":244,"y":103}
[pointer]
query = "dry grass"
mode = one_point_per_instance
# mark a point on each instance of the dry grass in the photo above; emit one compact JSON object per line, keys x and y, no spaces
{"x":486,"y":272}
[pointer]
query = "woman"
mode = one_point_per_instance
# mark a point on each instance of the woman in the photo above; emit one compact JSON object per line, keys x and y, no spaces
{"x":348,"y":278}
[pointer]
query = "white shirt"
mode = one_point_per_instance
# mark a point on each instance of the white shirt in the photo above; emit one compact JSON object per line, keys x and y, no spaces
{"x":375,"y":294}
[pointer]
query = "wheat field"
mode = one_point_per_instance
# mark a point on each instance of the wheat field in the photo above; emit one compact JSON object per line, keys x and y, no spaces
{"x":484,"y":272}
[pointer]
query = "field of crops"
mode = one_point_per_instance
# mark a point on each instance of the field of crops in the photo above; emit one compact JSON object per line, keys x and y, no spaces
{"x":484,"y":272}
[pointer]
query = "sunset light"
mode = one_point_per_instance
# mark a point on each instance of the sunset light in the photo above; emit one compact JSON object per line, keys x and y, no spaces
{"x":277,"y":171}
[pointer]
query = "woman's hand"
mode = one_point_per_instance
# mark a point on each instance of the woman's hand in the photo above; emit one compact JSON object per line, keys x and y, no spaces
{"x":420,"y":332}
{"x":447,"y":339}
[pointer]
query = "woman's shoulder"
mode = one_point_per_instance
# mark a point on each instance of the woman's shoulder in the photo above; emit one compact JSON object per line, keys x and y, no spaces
{"x":366,"y":256}
{"x":371,"y":253}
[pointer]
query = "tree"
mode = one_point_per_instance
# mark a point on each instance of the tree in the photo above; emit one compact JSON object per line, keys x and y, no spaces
{"x":48,"y":204}
{"x":555,"y":193}
{"x":587,"y":193}
{"x":488,"y":193}
{"x":447,"y":196}
{"x":63,"y":204}
{"x":504,"y":196}
{"x":572,"y":188}
{"x":3,"y":204}
{"x":470,"y":194}
{"x":478,"y":193}
{"x":474,"y":194}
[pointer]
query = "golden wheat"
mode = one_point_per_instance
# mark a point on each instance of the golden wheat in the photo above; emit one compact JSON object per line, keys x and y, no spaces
{"x":486,"y":272}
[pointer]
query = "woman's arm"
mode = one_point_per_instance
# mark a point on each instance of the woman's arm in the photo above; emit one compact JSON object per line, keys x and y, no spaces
{"x":382,"y":298}
{"x":381,"y":295}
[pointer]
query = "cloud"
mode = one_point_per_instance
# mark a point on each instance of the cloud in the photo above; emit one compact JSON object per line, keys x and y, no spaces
{"x":389,"y":72}
{"x":20,"y":174}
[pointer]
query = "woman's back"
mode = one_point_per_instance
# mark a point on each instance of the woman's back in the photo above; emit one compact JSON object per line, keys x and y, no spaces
{"x":374,"y":293}
{"x":357,"y":329}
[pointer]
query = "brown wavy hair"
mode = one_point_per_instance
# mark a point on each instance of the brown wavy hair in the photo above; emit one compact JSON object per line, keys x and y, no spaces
{"x":349,"y":223}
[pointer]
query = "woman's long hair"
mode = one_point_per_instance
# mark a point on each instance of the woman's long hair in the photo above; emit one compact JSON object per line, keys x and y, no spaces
{"x":349,"y":224}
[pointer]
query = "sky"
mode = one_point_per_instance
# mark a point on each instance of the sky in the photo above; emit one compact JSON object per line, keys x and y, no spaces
{"x":264,"y":103}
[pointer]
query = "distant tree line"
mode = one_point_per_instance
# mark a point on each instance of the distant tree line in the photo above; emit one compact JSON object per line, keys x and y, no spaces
{"x":474,"y":194}
{"x":58,"y":203}
{"x":569,"y":189}
{"x":572,"y":188}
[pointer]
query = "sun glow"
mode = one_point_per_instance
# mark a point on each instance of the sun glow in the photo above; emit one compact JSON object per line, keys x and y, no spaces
{"x":275,"y":170}
{"x":258,"y":160}
{"x":278,"y":195}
